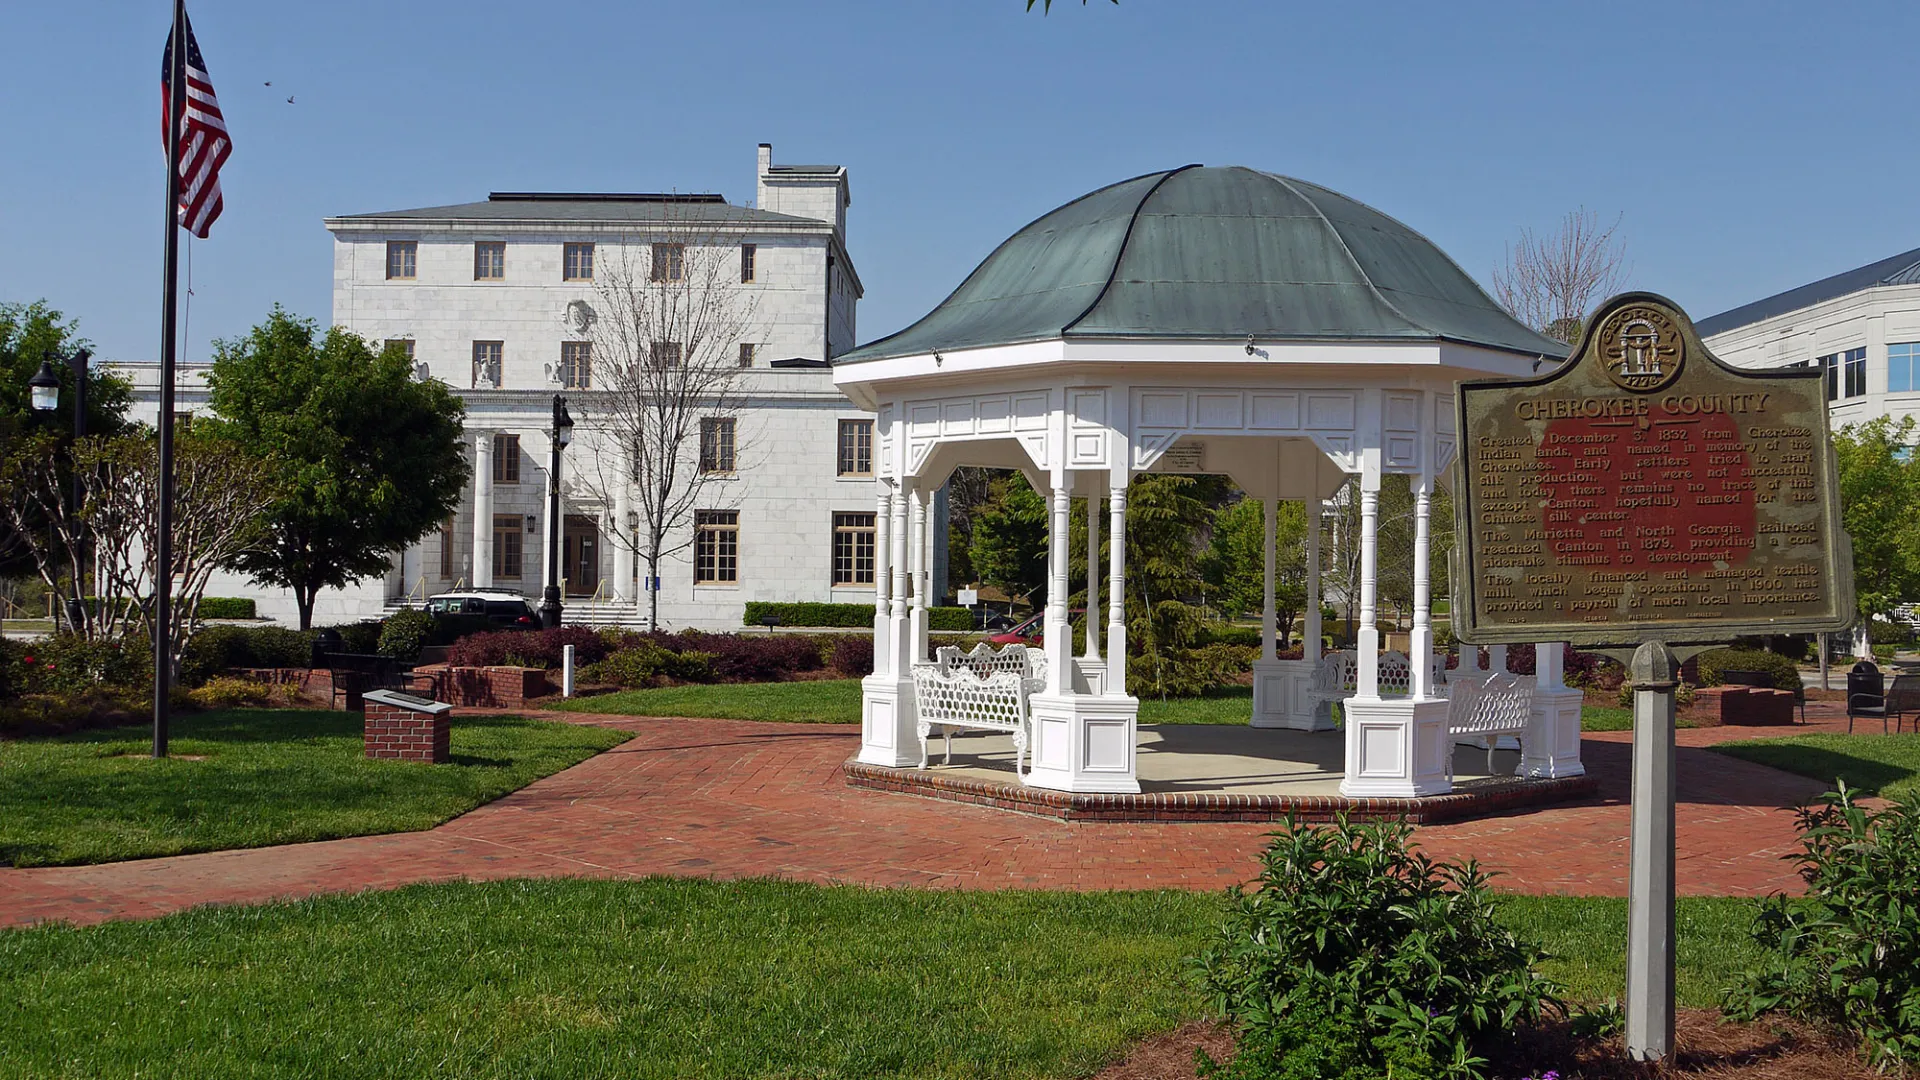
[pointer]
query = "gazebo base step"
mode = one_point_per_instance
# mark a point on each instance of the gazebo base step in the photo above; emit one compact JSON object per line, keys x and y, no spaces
{"x":1475,"y":798}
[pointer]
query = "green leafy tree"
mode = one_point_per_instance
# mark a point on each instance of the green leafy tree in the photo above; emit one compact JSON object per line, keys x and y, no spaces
{"x":366,"y":459}
{"x":1009,"y":547}
{"x":1168,"y":518}
{"x":1880,"y":505}
{"x":1235,"y":562}
{"x":32,"y":334}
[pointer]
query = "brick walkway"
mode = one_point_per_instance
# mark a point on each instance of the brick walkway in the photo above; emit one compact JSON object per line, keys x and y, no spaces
{"x":722,"y":798}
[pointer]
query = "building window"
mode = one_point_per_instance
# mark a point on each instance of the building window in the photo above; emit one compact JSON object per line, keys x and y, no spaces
{"x":853,"y":549}
{"x":405,"y":345}
{"x":856,"y":448}
{"x":716,"y":444}
{"x":1855,"y":371}
{"x":446,"y":549}
{"x":669,"y":262}
{"x":1903,"y":367}
{"x":506,"y":459}
{"x":747,"y":254}
{"x":506,"y":545}
{"x":400,"y":259}
{"x":716,"y":547}
{"x":489,"y":260}
{"x":1831,"y":364}
{"x":486,"y":362}
{"x":576,"y":262}
{"x":576,"y":364}
{"x":666,"y":355}
{"x":746,"y":354}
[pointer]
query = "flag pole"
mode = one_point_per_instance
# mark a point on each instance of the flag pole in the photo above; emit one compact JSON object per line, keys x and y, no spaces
{"x":163,"y":557}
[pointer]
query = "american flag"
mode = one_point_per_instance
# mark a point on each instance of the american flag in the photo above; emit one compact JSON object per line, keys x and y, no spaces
{"x":203,"y":138}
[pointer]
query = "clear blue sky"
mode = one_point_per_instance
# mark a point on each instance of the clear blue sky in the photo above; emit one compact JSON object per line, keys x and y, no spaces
{"x":1749,"y":147}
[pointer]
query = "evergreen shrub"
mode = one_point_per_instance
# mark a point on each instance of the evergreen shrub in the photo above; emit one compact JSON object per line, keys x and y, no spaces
{"x":1847,"y":953}
{"x":847,"y":616}
{"x":404,"y":634}
{"x":1353,"y":957}
{"x":852,"y":655}
{"x":1714,"y":664}
{"x":226,"y":607}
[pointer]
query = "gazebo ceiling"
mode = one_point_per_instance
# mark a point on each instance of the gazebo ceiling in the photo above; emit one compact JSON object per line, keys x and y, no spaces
{"x":1202,"y":253}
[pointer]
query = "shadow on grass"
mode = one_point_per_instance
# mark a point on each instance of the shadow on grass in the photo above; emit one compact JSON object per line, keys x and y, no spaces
{"x":1868,"y":776}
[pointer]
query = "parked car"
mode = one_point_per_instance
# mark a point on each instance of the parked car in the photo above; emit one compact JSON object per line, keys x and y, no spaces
{"x":1030,"y":630}
{"x":505,"y":610}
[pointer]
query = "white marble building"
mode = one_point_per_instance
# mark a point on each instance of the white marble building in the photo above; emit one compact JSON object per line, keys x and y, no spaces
{"x":1862,"y":326}
{"x":489,"y":297}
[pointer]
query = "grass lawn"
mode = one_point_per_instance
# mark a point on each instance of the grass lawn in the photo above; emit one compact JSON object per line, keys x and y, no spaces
{"x":265,"y":777}
{"x":671,"y":978}
{"x":837,"y":701}
{"x":1886,"y":765}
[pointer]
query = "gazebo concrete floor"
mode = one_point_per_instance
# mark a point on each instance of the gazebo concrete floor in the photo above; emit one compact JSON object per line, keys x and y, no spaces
{"x":1216,"y":772}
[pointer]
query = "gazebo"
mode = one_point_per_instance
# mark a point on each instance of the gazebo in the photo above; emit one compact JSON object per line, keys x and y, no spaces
{"x":1198,"y":320}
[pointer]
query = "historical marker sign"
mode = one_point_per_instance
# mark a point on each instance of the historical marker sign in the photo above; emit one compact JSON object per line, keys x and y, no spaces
{"x":1645,"y":491}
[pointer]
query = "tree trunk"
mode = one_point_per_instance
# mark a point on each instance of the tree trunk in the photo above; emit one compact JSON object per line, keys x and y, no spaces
{"x":303,"y":597}
{"x":653,"y":580}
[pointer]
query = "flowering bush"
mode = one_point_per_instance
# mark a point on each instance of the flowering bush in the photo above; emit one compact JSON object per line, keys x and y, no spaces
{"x":70,"y":664}
{"x":227,"y":692}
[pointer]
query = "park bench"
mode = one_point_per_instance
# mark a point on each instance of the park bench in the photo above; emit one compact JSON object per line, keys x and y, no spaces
{"x":1482,"y":710}
{"x":1338,"y":674}
{"x":353,"y":674}
{"x":957,"y":697}
{"x":979,"y":664}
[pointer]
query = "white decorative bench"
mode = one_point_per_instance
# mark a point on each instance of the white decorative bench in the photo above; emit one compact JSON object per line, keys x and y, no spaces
{"x":1483,"y":710}
{"x":957,"y":697}
{"x":983,"y":659}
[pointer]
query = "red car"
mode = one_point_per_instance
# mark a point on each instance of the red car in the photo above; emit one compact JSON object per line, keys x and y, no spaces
{"x":1028,"y":631}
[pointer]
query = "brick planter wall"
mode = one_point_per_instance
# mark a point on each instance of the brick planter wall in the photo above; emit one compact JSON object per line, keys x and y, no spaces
{"x":1742,"y":705}
{"x":491,"y":688}
{"x":398,"y":732}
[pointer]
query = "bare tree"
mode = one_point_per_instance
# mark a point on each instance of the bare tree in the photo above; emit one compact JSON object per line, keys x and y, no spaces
{"x":219,"y":493}
{"x":1551,"y":281}
{"x":667,"y":357}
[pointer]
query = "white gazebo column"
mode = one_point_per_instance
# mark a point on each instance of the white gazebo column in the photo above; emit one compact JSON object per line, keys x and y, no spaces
{"x":1116,"y":587}
{"x":1551,"y":746}
{"x":1058,"y":637}
{"x":1420,"y":641}
{"x":1281,"y":688}
{"x":1083,"y":741}
{"x":1395,"y":747}
{"x":1093,"y":669}
{"x":889,"y":733}
{"x":482,"y":510}
{"x":919,"y":572}
{"x":1315,"y":630}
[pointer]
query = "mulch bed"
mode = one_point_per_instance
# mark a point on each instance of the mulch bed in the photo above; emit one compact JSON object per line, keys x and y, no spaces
{"x":1706,"y":1047}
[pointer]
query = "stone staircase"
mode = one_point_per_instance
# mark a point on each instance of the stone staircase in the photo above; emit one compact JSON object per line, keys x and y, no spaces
{"x":578,"y":611}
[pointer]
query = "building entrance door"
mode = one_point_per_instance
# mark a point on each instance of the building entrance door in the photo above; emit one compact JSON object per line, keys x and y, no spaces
{"x":580,"y":556}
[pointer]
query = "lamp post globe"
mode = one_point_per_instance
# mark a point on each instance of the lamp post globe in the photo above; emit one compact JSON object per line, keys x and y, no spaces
{"x":45,"y":388}
{"x":550,"y":606}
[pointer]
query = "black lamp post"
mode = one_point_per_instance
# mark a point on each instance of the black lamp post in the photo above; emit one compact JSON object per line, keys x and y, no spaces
{"x":562,"y":435}
{"x":45,"y":388}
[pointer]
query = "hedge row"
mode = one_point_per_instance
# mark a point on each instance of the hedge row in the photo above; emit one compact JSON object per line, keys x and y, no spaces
{"x":226,"y":607}
{"x":848,"y":616}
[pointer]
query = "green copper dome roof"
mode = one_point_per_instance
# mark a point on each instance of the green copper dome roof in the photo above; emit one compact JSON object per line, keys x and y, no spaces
{"x":1210,"y":254}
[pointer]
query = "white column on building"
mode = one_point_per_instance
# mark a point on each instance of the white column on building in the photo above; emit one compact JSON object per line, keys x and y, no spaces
{"x":1310,"y":644}
{"x":882,"y":567}
{"x":1420,"y":642}
{"x":1116,"y":585}
{"x":1269,"y":619}
{"x":1059,"y":627}
{"x":623,"y":536}
{"x":1093,"y":578}
{"x":1367,"y":637}
{"x":482,"y":510}
{"x":917,"y":548}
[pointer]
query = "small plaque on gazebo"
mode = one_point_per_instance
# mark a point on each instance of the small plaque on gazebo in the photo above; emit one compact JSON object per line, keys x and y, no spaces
{"x":1645,"y":491}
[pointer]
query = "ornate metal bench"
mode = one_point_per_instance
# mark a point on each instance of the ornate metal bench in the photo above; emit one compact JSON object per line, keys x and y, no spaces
{"x":954,"y":697}
{"x":1482,"y":711}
